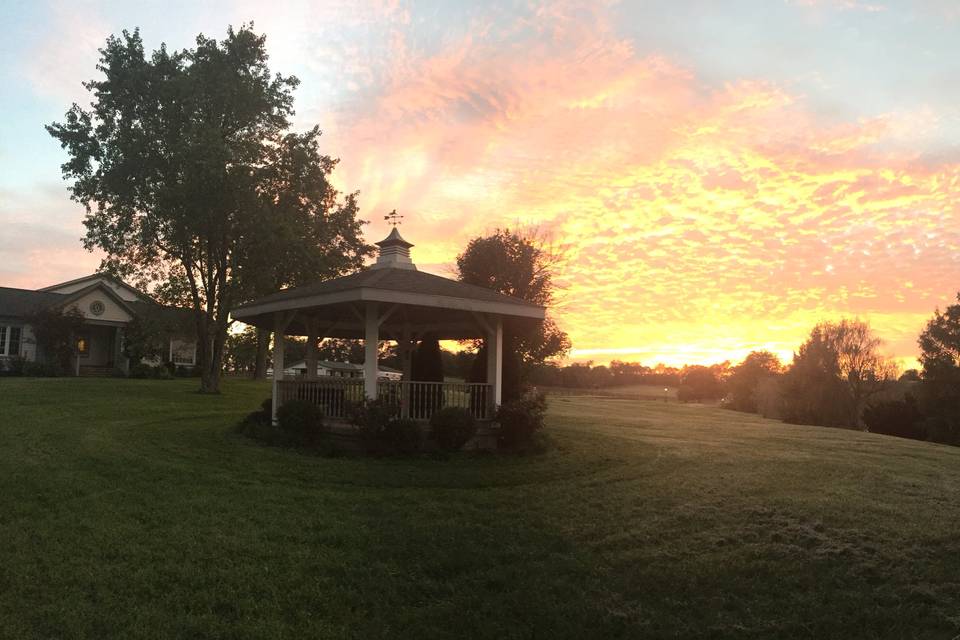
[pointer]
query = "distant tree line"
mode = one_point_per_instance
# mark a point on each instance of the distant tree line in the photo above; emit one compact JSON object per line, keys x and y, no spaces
{"x":839,"y":379}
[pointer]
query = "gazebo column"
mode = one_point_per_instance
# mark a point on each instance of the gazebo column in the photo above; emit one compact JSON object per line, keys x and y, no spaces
{"x":280,"y":322}
{"x":494,"y":344}
{"x":405,"y":351}
{"x":311,"y":360}
{"x":371,"y":341}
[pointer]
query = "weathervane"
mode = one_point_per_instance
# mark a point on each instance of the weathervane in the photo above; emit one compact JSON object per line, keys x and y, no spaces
{"x":393,"y":218}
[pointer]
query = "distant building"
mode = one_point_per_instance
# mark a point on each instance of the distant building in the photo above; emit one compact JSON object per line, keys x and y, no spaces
{"x":338,"y":370}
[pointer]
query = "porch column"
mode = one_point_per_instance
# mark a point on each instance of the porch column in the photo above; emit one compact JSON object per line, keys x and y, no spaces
{"x":494,"y":344}
{"x":371,"y":339}
{"x":312,"y":348}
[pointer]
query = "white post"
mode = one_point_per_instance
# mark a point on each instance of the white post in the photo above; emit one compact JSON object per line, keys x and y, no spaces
{"x":494,"y":344}
{"x":312,"y":324}
{"x":279,"y":326}
{"x":370,"y":342}
{"x":405,"y":350}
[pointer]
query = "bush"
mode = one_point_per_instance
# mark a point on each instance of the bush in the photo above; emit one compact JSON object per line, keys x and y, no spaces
{"x":372,"y":417}
{"x":403,"y":436}
{"x":521,"y":420}
{"x":686,"y":394}
{"x":452,"y":428}
{"x":12,"y":366}
{"x":42,"y":369}
{"x":302,"y":421}
{"x":901,"y":418}
{"x":143,"y":370}
{"x":944,"y":429}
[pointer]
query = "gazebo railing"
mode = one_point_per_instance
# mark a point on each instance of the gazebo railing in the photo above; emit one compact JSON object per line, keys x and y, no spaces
{"x":333,"y":395}
{"x":420,"y":400}
{"x":415,"y":400}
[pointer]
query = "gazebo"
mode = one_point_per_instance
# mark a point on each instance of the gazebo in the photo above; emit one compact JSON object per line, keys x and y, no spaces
{"x":391,"y":300}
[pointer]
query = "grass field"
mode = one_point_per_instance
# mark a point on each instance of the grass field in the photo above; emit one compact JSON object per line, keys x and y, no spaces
{"x":128,"y":509}
{"x":632,"y":391}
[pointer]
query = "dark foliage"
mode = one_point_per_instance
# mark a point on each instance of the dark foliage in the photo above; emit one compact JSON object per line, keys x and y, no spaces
{"x":144,"y":370}
{"x":746,"y":377}
{"x":372,"y":418}
{"x":12,"y":366}
{"x":698,"y":384}
{"x":143,"y":337}
{"x":302,"y":421}
{"x":940,"y":386}
{"x":835,"y":374}
{"x":617,"y":374}
{"x":452,"y":427}
{"x":519,"y":265}
{"x":42,"y":369}
{"x":259,"y":426}
{"x":402,"y":435}
{"x":901,"y":418}
{"x":427,"y":363}
{"x":193,"y":181}
{"x":521,"y":420}
{"x":55,"y":334}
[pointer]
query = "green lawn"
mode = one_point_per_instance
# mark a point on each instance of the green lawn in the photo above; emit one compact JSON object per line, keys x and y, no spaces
{"x":128,"y":509}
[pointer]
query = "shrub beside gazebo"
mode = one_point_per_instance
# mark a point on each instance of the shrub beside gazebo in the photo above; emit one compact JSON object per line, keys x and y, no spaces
{"x":392,"y":300}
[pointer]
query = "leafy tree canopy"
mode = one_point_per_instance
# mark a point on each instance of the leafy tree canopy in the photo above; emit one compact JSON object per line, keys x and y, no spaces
{"x":193,"y":181}
{"x":940,"y":357}
{"x":519,"y":265}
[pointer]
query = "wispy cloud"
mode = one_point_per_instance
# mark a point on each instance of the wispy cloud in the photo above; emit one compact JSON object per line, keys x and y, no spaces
{"x":705,"y":219}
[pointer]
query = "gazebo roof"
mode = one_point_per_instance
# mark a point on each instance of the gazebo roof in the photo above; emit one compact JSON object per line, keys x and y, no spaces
{"x":394,"y":285}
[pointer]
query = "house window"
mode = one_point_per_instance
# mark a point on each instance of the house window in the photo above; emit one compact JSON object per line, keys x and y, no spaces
{"x":183,"y":352}
{"x":83,"y":346}
{"x":10,"y":340}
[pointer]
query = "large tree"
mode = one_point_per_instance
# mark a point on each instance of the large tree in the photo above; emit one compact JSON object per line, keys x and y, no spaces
{"x":193,"y":182}
{"x":747,"y":376}
{"x":940,"y":386}
{"x":835,"y":373}
{"x":520,"y":265}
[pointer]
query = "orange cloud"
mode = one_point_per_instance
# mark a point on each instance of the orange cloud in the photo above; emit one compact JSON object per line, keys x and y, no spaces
{"x":703,"y":222}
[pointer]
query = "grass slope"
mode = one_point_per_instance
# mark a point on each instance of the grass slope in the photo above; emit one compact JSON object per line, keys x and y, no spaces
{"x":128,"y":509}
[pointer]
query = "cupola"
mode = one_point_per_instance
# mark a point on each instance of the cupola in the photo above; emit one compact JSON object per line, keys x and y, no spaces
{"x":394,"y":253}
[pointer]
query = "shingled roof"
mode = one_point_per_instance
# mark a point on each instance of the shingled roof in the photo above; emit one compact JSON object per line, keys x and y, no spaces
{"x":19,"y":303}
{"x":401,"y":280}
{"x":22,"y":302}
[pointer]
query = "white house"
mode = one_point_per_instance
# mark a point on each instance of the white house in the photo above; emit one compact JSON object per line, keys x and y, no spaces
{"x":338,"y":370}
{"x":108,"y":305}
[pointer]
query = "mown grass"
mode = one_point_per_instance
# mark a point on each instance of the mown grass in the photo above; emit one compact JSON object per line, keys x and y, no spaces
{"x":129,"y":509}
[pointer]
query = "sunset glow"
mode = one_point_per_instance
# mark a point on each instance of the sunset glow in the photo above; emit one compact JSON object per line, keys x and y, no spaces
{"x":714,"y":193}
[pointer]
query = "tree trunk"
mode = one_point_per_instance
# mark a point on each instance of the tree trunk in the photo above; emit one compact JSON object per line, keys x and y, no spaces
{"x":263,"y":350}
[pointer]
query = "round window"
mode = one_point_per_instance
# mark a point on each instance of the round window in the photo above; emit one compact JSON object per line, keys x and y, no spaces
{"x":96,"y":308}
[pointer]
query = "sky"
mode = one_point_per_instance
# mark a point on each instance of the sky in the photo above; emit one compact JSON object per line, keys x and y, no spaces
{"x":721,"y":176}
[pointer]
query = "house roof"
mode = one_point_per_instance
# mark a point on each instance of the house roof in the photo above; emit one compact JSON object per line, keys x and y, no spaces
{"x":23,"y":302}
{"x":415,"y":287}
{"x":100,"y":275}
{"x":409,"y":301}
